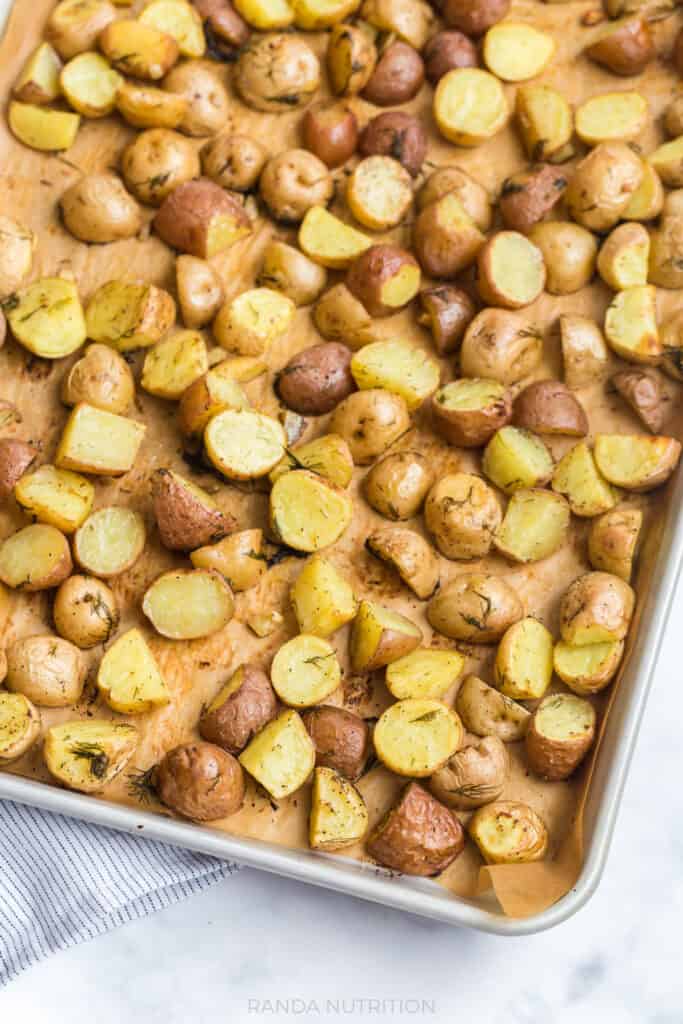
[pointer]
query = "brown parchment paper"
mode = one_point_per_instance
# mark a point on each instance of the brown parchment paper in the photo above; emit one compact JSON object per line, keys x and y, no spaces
{"x":30,"y":186}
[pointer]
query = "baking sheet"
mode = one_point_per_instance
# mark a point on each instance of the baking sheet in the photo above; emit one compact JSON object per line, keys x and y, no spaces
{"x":32,"y":183}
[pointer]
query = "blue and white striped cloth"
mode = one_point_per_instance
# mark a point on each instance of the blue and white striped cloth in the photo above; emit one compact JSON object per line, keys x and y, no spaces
{"x":64,"y":881}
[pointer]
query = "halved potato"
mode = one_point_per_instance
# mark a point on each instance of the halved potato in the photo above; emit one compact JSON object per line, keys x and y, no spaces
{"x":397,"y":366}
{"x":312,"y":15}
{"x":524,"y":662}
{"x":129,"y":316}
{"x":281,"y":756}
{"x":110,"y":541}
{"x":243,"y":445}
{"x":139,"y":50}
{"x":56,"y":496}
{"x":510,"y":270}
{"x":307,"y":512}
{"x":240,"y":558}
{"x":328,"y":456}
{"x":99,"y":442}
{"x":560,"y":734}
{"x":667,"y":160}
{"x":545,"y":121}
{"x":145,"y":106}
{"x":409,"y":554}
{"x":305,"y":671}
{"x":612,"y":117}
{"x":43,"y":128}
{"x":90,"y":85}
{"x":475,"y":607}
{"x":328,"y":241}
{"x":488,"y":712}
{"x":19,"y":726}
{"x":172,"y":365}
{"x":186,"y":515}
{"x":587,"y":669}
{"x":596,"y":609}
{"x":613,"y":541}
{"x":631,"y":325}
{"x":416,"y":737}
{"x":74,"y":25}
{"x":339,"y":816}
{"x":213,"y":392}
{"x":475,"y":775}
{"x":252,"y":321}
{"x":340,"y":316}
{"x":624,"y":257}
{"x":379,"y":192}
{"x":418,"y":835}
{"x":425,"y":673}
{"x":549,"y":407}
{"x":535,"y":526}
{"x":35,"y":558}
{"x":470,"y":106}
{"x":636,"y":462}
{"x":468,"y":411}
{"x":380,"y":636}
{"x":515,"y":459}
{"x":186,"y":604}
{"x":46,"y":317}
{"x":508,"y":832}
{"x":322,"y":599}
{"x":38,"y":82}
{"x":129,"y":678}
{"x":181,"y":21}
{"x":47,"y":669}
{"x":516,"y":51}
{"x":88,"y":755}
{"x":579,"y":479}
{"x":584,"y":353}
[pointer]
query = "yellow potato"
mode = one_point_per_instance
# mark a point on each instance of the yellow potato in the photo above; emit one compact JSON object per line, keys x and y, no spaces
{"x":328,"y":456}
{"x":128,"y":677}
{"x":181,"y":21}
{"x":328,"y":241}
{"x":424,"y":674}
{"x":35,"y":558}
{"x":612,"y":117}
{"x":511,"y":270}
{"x":516,"y":459}
{"x":47,"y":669}
{"x":55,"y":496}
{"x":19,"y":726}
{"x":462,"y":514}
{"x":545,"y":121}
{"x":631,"y":325}
{"x":110,"y":541}
{"x":308,"y":513}
{"x":322,"y":599}
{"x":16,"y":255}
{"x":470,"y":106}
{"x":667,"y":161}
{"x":579,"y":479}
{"x":380,"y":636}
{"x":569,"y":252}
{"x":339,"y":817}
{"x":251,"y":322}
{"x":266,"y":15}
{"x":38,"y":82}
{"x":535,"y":526}
{"x":399,"y":367}
{"x":99,"y":442}
{"x":305,"y":671}
{"x":145,"y":106}
{"x":416,"y":737}
{"x":239,"y":557}
{"x":508,"y":832}
{"x":138,"y":50}
{"x":90,"y":85}
{"x":379,"y":192}
{"x":516,"y":51}
{"x":590,"y":668}
{"x":613,"y":541}
{"x":43,"y":128}
{"x":74,"y":25}
{"x":243,"y":445}
{"x":88,"y":755}
{"x":596,"y":609}
{"x":188,"y":604}
{"x":647,"y":200}
{"x":624,"y":257}
{"x":636,"y":462}
{"x":171,"y":366}
{"x":584,"y":352}
{"x":411,"y":21}
{"x":409,"y":555}
{"x":129,"y":316}
{"x":281,"y":756}
{"x":524,"y":662}
{"x":46,"y":317}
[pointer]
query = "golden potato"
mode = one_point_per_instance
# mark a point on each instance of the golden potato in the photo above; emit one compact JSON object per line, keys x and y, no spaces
{"x":398,"y":367}
{"x":43,"y":128}
{"x":560,"y":734}
{"x":380,"y":636}
{"x":473,"y":776}
{"x":239,"y":557}
{"x":665,"y":254}
{"x":213,"y":392}
{"x":569,"y":253}
{"x":16,"y":255}
{"x":416,"y":737}
{"x":48,"y":670}
{"x":322,"y":599}
{"x":129,"y":679}
{"x":110,"y":541}
{"x":266,"y":15}
{"x":90,"y":85}
{"x":46,"y":317}
{"x":631,"y":325}
{"x":667,"y":161}
{"x":139,"y":50}
{"x":74,"y":25}
{"x":624,"y":255}
{"x":596,"y":608}
{"x":590,"y":668}
{"x":294,"y":182}
{"x":397,"y":485}
{"x":612,"y":117}
{"x":187,"y":604}
{"x":636,"y":462}
{"x":535,"y":526}
{"x":281,"y":756}
{"x":127,"y":316}
{"x":88,"y":755}
{"x":19,"y":726}
{"x":99,"y":442}
{"x":328,"y":456}
{"x":500,"y":345}
{"x":475,"y":607}
{"x":488,"y":712}
{"x":515,"y":51}
{"x":524,"y":661}
{"x":98,"y":209}
{"x":208,"y":104}
{"x":305,"y":671}
{"x":145,"y":106}
{"x":545,"y":121}
{"x":339,"y":817}
{"x":602,"y":185}
{"x":287,"y":270}
{"x":584,"y":352}
{"x":379,"y":192}
{"x":578,"y":478}
{"x":252,"y":321}
{"x":411,"y":21}
{"x":671,"y":337}
{"x":181,"y":21}
{"x":351,"y":58}
{"x":516,"y":459}
{"x":328,"y":241}
{"x":156,"y":162}
{"x":85,"y":611}
{"x":470,"y":106}
{"x":409,"y":554}
{"x":242,"y":444}
{"x":340,"y":317}
{"x":55,"y":496}
{"x":613,"y":541}
{"x":35,"y":558}
{"x":172,"y":365}
{"x":38,"y":82}
{"x":370,"y":421}
{"x":473,"y":197}
{"x":385,"y":278}
{"x":467,"y":412}
{"x":307,"y":512}
{"x":277,"y":72}
{"x":647,"y":200}
{"x":462,"y":513}
{"x":187,"y":517}
{"x":423,"y":674}
{"x":508,"y":832}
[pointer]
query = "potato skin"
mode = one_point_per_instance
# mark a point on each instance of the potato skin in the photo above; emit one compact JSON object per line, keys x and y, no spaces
{"x":444,"y":248}
{"x":49,"y":670}
{"x":570,"y":252}
{"x":277,"y":72}
{"x":409,"y":554}
{"x":474,"y":17}
{"x":475,"y":608}
{"x":294,"y":181}
{"x":462,"y":513}
{"x":221,"y":18}
{"x":370,"y":421}
{"x":398,"y":484}
{"x":85,"y":611}
{"x":397,"y":77}
{"x":528,"y":196}
{"x":200,"y":781}
{"x":470,"y":428}
{"x":557,"y":759}
{"x":473,"y":196}
{"x":156,"y":162}
{"x":341,"y":739}
{"x":331,"y":132}
{"x":396,"y":134}
{"x":184,"y":524}
{"x":627,"y":49}
{"x":70,"y":37}
{"x":200,"y":290}
{"x":596,"y":599}
{"x":371,"y":269}
{"x":315,"y":380}
{"x":535,"y":833}
{"x":488,"y":712}
{"x":475,"y":775}
{"x":448,"y":50}
{"x":102,"y":378}
{"x":16,"y":457}
{"x":418,"y":836}
{"x":208,"y":103}
{"x":233,"y":161}
{"x":499,"y":345}
{"x":185,"y":214}
{"x":98,"y":209}
{"x":549,"y":407}
{"x":601,"y":187}
{"x":642,"y":391}
{"x":448,"y":311}
{"x":243,"y":714}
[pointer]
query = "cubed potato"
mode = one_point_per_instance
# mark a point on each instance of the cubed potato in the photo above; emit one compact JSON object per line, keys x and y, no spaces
{"x":240,"y":558}
{"x":596,"y":609}
{"x":579,"y":479}
{"x":380,"y":636}
{"x":339,"y":817}
{"x":55,"y":496}
{"x":19,"y":726}
{"x":181,"y":21}
{"x":584,"y":352}
{"x":110,"y":541}
{"x":46,"y":317}
{"x":99,"y":442}
{"x":475,"y":607}
{"x":145,"y":106}
{"x":470,"y":106}
{"x":328,"y":456}
{"x":424,"y":674}
{"x":188,"y":604}
{"x":535,"y":526}
{"x":35,"y":558}
{"x":139,"y":50}
{"x":307,"y":512}
{"x":186,"y":515}
{"x":667,"y":160}
{"x":624,"y":256}
{"x":305,"y":671}
{"x":524,"y":662}
{"x":128,"y":316}
{"x":416,"y":737}
{"x":517,"y":51}
{"x":612,"y":117}
{"x":613,"y":541}
{"x":590,"y":668}
{"x":631,"y":325}
{"x":244,"y":445}
{"x":251,"y":322}
{"x":128,"y":677}
{"x":328,"y":241}
{"x":266,"y":15}
{"x":545,"y":120}
{"x":43,"y":128}
{"x":322,"y":599}
{"x":282,"y":756}
{"x":488,"y":712}
{"x":171,"y":366}
{"x":90,"y":85}
{"x":213,"y":392}
{"x":48,"y":670}
{"x":516,"y":459}
{"x":636,"y":462}
{"x":510,"y":270}
{"x":202,"y":219}
{"x":38,"y":82}
{"x":409,"y":554}
{"x":399,"y":367}
{"x":508,"y":832}
{"x":88,"y":755}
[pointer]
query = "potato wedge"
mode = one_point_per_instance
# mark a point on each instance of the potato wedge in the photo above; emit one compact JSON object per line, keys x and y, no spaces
{"x":418,"y":835}
{"x":239,"y":710}
{"x":535,"y":526}
{"x":624,"y":256}
{"x":462,"y":513}
{"x":545,"y":121}
{"x":488,"y":712}
{"x":139,"y":50}
{"x":47,"y":318}
{"x":328,"y":241}
{"x":468,"y":412}
{"x":612,"y":117}
{"x":250,"y":323}
{"x":596,"y":609}
{"x":19,"y":726}
{"x":201,"y":219}
{"x":590,"y":668}
{"x":508,"y":832}
{"x":515,"y":459}
{"x":398,"y":367}
{"x":515,"y":51}
{"x":38,"y":82}
{"x":128,"y":316}
{"x":56,"y":496}
{"x":43,"y":128}
{"x":560,"y":734}
{"x":667,"y":160}
{"x":524,"y":662}
{"x":281,"y":756}
{"x":48,"y":670}
{"x":129,"y":679}
{"x":475,"y":607}
{"x":584,"y":353}
{"x":385,"y":278}
{"x":470,"y":106}
{"x":613,"y":541}
{"x":409,"y":554}
{"x":110,"y":541}
{"x":339,"y":316}
{"x":380,"y":636}
{"x":90,"y":85}
{"x":187,"y":604}
{"x":636,"y":462}
{"x":307,"y":512}
{"x":446,"y":238}
{"x":145,"y":106}
{"x":16,"y":458}
{"x":240,"y":558}
{"x":244,"y":445}
{"x":322,"y":599}
{"x":171,"y":366}
{"x":473,"y":776}
{"x":99,"y":442}
{"x":187,"y":517}
{"x":416,"y":737}
{"x":328,"y":456}
{"x":339,"y":817}
{"x":647,"y":200}
{"x":578,"y":478}
{"x":35,"y":558}
{"x":379,"y":192}
{"x":305,"y":671}
{"x":424,"y":674}
{"x":213,"y":392}
{"x":642,"y":392}
{"x":548,"y":407}
{"x":181,"y":21}
{"x":88,"y":755}
{"x":631,"y":325}
{"x":447,"y":312}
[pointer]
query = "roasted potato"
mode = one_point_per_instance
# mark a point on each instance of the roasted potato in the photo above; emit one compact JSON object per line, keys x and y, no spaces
{"x":370,"y":421}
{"x":596,"y":608}
{"x":16,"y":255}
{"x":473,"y":197}
{"x":397,"y":367}
{"x":470,"y":106}
{"x":128,"y":677}
{"x":46,"y":317}
{"x":239,"y":710}
{"x":202,"y":219}
{"x":535,"y":525}
{"x":305,"y":671}
{"x":48,"y":670}
{"x":671,"y":338}
{"x":524,"y":661}
{"x":613,"y":541}
{"x":229,"y":29}
{"x":577,"y":477}
{"x":398,"y":135}
{"x":239,"y":557}
{"x":560,"y":734}
{"x":446,"y":51}
{"x":318,"y":14}
{"x":500,"y":345}
{"x":516,"y":51}
{"x":35,"y":558}
{"x":445,"y":238}
{"x":277,"y":72}
{"x":339,"y":316}
{"x":396,"y":78}
{"x":488,"y":712}
{"x":379,"y":192}
{"x":339,"y":817}
{"x":200,"y":781}
{"x":409,"y":20}
{"x":417,"y":737}
{"x":409,"y":554}
{"x":75,"y":25}
{"x":418,"y":835}
{"x":529,"y":195}
{"x":462,"y":513}
{"x":623,"y":257}
{"x":186,"y":604}
{"x":636,"y":462}
{"x":307,"y":512}
{"x":127,"y":316}
{"x":156,"y":162}
{"x":341,"y":740}
{"x":397,"y":485}
{"x":287,"y":270}
{"x":330,"y":132}
{"x":281,"y":756}
{"x":180,"y":20}
{"x":508,"y":832}
{"x":548,"y":407}
{"x":88,"y":755}
{"x":208,"y":104}
{"x":322,"y":599}
{"x":515,"y":459}
{"x":85,"y":611}
{"x":98,"y":209}
{"x":510,"y":270}
{"x":55,"y":496}
{"x":474,"y":17}
{"x":173,"y":365}
{"x":647,"y":200}
{"x":380,"y":636}
{"x":475,"y":607}
{"x":215,"y":391}
{"x":328,"y":456}
{"x":624,"y":47}
{"x":187,"y":517}
{"x":233,"y":161}
{"x":43,"y":128}
{"x":266,"y":14}
{"x":316,"y":379}
{"x":110,"y":541}
{"x":631,"y":325}
{"x":16,"y":458}
{"x":569,"y":253}
{"x":252,"y":321}
{"x":90,"y":85}
{"x":473,"y":776}
{"x":139,"y":50}
{"x":545,"y":121}
{"x":351,"y":58}
{"x":145,"y":106}
{"x":584,"y":353}
{"x":99,"y":442}
{"x":19,"y":726}
{"x":38,"y":82}
{"x":612,"y":117}
{"x":385,"y":278}
{"x":242,"y":444}
{"x":590,"y":668}
{"x":447,"y":311}
{"x":423,"y":674}
{"x":328,"y":241}
{"x":673,"y":116}
{"x":667,"y":161}
{"x":642,"y":391}
{"x":665,"y":250}
{"x":200,"y":291}
{"x":602,"y":185}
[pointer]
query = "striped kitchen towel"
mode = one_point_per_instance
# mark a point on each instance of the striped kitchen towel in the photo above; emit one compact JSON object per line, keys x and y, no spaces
{"x":64,"y":881}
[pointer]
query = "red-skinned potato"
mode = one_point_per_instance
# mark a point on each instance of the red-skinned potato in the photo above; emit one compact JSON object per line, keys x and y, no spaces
{"x":474,"y":17}
{"x":397,"y":77}
{"x":15,"y":458}
{"x":626,"y":47}
{"x":642,"y":391}
{"x":445,"y":238}
{"x":200,"y":781}
{"x":448,"y":50}
{"x":315,"y":380}
{"x":418,"y":835}
{"x":341,"y":739}
{"x":560,"y":734}
{"x":187,"y":517}
{"x":397,"y":134}
{"x":549,"y":407}
{"x":529,"y":195}
{"x":447,"y":312}
{"x":223,"y":22}
{"x":240,"y":709}
{"x":468,"y":412}
{"x":202,"y":219}
{"x":331,"y":132}
{"x":385,"y":278}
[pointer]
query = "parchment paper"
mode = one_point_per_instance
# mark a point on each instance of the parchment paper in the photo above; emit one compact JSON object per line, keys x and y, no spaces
{"x":30,"y":187}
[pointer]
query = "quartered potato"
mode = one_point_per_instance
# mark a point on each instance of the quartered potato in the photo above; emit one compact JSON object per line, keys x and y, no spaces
{"x":636,"y":462}
{"x":545,"y":120}
{"x":99,"y":442}
{"x":35,"y":558}
{"x":379,"y":192}
{"x":201,"y":219}
{"x":385,"y":278}
{"x":328,"y":241}
{"x":88,"y":755}
{"x":90,"y":85}
{"x":415,"y":737}
{"x":305,"y":671}
{"x":139,"y":50}
{"x":380,"y":636}
{"x":240,"y":558}
{"x":55,"y":496}
{"x":624,"y":257}
{"x":250,"y":323}
{"x":548,"y":407}
{"x":475,"y":607}
{"x":535,"y":525}
{"x":602,"y":185}
{"x":447,"y":311}
{"x":667,"y":160}
{"x":524,"y":662}
{"x":85,"y":611}
{"x":19,"y":726}
{"x":631,"y":325}
{"x":328,"y":456}
{"x":171,"y":366}
{"x":473,"y":776}
{"x":569,"y":252}
{"x":239,"y":710}
{"x":339,"y":816}
{"x":341,"y":739}
{"x":287,"y":270}
{"x":186,"y":604}
{"x":311,"y":15}
{"x":128,"y":677}
{"x":508,"y":832}
{"x":612,"y":117}
{"x":397,"y":485}
{"x":515,"y":51}
{"x":647,"y":200}
{"x":340,"y":317}
{"x":625,"y":46}
{"x":48,"y":670}
{"x":409,"y":554}
{"x":187,"y":516}
{"x":446,"y":238}
{"x":47,"y":318}
{"x":560,"y":734}
{"x":418,"y":835}
{"x":488,"y":712}
{"x":470,"y":106}
{"x":515,"y":459}
{"x":578,"y":478}
{"x":110,"y":541}
{"x":584,"y":352}
{"x":613,"y":541}
{"x":127,"y":316}
{"x":462,"y":513}
{"x":243,"y":445}
{"x":43,"y":128}
{"x":351,"y":57}
{"x":423,"y":674}
{"x":322,"y":599}
{"x":38,"y":82}
{"x":181,"y":21}
{"x":596,"y":609}
{"x":214,"y":391}
{"x":411,"y":21}
{"x":399,"y":367}
{"x":474,"y":198}
{"x":589,"y":668}
{"x":281,"y":756}
{"x":307,"y":512}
